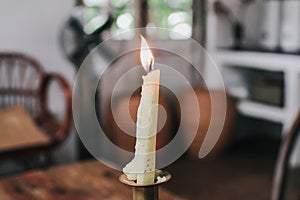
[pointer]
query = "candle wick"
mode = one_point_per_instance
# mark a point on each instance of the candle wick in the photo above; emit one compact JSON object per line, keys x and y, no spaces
{"x":151,"y":66}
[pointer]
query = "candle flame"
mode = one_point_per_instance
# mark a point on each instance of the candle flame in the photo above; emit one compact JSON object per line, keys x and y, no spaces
{"x":146,"y":56}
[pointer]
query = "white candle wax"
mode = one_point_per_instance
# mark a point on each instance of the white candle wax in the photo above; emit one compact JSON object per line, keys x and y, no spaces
{"x":142,"y":167}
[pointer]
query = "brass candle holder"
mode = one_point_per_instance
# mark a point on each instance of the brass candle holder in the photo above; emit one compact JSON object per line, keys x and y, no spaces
{"x":146,"y":191}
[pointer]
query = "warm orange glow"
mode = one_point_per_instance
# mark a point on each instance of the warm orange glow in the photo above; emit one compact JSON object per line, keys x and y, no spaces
{"x":146,"y":56}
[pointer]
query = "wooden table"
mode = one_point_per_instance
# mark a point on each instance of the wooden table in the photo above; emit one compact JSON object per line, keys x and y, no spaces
{"x":81,"y":181}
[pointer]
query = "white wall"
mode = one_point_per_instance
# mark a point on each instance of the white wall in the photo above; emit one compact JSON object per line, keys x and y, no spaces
{"x":33,"y":27}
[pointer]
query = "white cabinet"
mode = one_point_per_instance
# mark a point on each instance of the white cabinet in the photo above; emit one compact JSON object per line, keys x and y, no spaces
{"x":225,"y":59}
{"x":287,"y":64}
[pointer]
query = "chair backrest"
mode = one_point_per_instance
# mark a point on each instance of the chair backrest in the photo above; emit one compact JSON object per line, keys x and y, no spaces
{"x":20,"y":79}
{"x":282,"y":166}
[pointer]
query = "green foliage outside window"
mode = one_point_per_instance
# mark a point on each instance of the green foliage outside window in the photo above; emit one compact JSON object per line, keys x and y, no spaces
{"x":170,"y":14}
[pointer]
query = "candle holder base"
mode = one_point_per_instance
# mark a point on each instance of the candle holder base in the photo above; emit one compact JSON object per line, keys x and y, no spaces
{"x":146,"y":191}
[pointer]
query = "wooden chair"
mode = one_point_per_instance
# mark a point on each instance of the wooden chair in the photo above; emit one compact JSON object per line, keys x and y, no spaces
{"x":282,"y":165}
{"x":23,"y":82}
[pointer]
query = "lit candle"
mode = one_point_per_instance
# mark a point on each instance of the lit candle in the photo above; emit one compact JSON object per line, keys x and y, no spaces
{"x":142,"y":167}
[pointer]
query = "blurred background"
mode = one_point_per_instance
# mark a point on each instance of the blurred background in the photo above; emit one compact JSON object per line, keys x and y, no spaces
{"x":254,"y":43}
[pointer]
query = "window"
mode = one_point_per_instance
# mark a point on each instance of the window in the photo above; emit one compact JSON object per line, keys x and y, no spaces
{"x":96,"y":11}
{"x":171,"y":14}
{"x":175,"y":15}
{"x":123,"y":13}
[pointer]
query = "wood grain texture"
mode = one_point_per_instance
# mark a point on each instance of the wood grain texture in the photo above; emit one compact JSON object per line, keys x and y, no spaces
{"x":81,"y":181}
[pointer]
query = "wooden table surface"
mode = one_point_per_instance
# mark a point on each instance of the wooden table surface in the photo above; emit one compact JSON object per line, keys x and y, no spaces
{"x":89,"y":180}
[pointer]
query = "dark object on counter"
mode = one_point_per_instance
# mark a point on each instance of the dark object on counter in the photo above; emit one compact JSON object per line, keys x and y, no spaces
{"x":238,"y":35}
{"x":236,"y":21}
